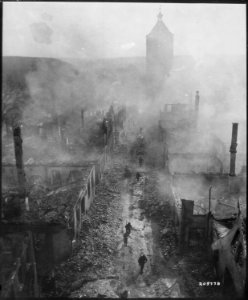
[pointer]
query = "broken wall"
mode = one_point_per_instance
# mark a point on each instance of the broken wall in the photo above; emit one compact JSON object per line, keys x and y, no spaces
{"x":51,"y":175}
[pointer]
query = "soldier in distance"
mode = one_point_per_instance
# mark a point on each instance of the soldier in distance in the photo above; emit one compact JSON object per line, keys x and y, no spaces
{"x":128,"y":228}
{"x":142,"y":260}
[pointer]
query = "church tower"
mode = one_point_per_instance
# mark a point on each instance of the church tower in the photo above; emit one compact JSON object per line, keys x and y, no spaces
{"x":159,"y":54}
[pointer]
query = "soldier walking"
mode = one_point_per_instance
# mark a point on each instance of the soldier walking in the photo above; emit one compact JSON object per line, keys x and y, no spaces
{"x":142,"y":260}
{"x":128,"y":228}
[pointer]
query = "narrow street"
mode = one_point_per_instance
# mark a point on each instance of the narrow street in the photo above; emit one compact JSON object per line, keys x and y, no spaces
{"x":143,"y":239}
{"x":102,"y":266}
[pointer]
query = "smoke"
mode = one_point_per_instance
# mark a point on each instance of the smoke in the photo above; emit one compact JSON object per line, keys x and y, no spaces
{"x":224,"y":90}
{"x":41,"y":33}
{"x":188,"y":187}
{"x":47,"y":17}
{"x":195,"y":188}
{"x":39,"y":150}
{"x":54,"y":88}
{"x":58,"y":88}
{"x":221,"y":82}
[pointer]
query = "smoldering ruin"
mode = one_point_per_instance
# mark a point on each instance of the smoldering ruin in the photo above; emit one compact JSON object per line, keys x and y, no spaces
{"x":92,"y":143}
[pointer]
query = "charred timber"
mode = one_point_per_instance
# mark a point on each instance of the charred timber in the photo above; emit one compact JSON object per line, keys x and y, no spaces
{"x":19,"y":159}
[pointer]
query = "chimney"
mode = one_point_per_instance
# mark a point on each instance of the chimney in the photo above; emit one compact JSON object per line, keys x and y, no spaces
{"x":19,"y":158}
{"x":233,"y":149}
{"x":197,"y":100}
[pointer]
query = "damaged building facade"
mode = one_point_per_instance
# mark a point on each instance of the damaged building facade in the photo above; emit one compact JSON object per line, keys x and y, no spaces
{"x":61,"y":195}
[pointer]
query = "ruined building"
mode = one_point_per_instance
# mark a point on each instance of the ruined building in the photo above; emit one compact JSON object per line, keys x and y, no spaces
{"x":159,"y":55}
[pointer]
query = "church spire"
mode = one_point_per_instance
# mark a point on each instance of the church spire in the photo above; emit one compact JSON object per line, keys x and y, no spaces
{"x":160,"y":15}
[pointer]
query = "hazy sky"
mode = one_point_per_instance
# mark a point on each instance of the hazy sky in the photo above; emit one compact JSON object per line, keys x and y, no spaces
{"x":53,"y":29}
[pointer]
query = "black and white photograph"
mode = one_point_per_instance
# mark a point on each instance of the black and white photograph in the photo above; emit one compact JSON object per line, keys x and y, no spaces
{"x":123,"y":144}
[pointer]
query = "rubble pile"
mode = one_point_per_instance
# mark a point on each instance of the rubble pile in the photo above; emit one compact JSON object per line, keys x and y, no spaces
{"x":92,"y":259}
{"x":57,"y":207}
{"x":166,"y":287}
{"x":168,"y":239}
{"x":158,"y":207}
{"x":195,"y":267}
{"x":53,"y":207}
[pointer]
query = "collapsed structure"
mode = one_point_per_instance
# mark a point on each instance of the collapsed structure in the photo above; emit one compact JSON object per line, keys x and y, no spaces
{"x":48,"y":208}
{"x":210,"y":209}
